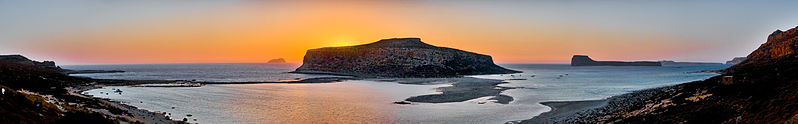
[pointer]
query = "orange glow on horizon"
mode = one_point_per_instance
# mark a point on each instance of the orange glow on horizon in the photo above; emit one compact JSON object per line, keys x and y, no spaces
{"x":252,"y":34}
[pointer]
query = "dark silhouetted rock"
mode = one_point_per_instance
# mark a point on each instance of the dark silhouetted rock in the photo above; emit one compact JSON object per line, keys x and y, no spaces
{"x":582,"y":60}
{"x":402,"y":102}
{"x":398,"y":57}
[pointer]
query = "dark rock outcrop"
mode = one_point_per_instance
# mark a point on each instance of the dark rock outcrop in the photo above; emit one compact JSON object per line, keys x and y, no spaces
{"x":582,"y":60}
{"x":398,"y":57}
{"x":736,"y":60}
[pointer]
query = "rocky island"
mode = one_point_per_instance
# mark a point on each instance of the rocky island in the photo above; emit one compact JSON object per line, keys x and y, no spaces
{"x":583,"y":60}
{"x":398,"y":57}
{"x":276,"y":61}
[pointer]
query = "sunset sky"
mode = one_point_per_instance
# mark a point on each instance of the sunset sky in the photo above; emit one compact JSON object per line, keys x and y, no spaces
{"x":131,"y":32}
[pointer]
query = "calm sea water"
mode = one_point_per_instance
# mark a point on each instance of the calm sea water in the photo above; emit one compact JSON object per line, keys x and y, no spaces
{"x":368,"y":101}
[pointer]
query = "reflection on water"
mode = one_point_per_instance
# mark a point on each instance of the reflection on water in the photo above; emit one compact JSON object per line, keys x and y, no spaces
{"x":261,"y":103}
{"x":313,"y":103}
{"x":369,"y":101}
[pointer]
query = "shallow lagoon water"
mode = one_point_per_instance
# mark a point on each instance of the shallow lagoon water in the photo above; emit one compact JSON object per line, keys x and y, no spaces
{"x":370,"y":101}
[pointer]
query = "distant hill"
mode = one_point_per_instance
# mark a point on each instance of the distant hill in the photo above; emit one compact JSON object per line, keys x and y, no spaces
{"x":736,"y":60}
{"x":276,"y":61}
{"x":398,"y":57}
{"x":674,"y":63}
{"x":583,"y":60}
{"x":24,"y":60}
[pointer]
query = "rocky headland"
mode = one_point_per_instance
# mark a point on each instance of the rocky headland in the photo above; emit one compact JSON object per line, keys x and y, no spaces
{"x":761,"y":89}
{"x":583,"y":60}
{"x":19,"y":59}
{"x":38,"y":92}
{"x":736,"y":60}
{"x":398,"y":57}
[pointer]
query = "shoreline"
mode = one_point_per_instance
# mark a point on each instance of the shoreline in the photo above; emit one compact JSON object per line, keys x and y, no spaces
{"x":561,"y":109}
{"x":131,"y":112}
{"x":460,"y":89}
{"x":584,"y":110}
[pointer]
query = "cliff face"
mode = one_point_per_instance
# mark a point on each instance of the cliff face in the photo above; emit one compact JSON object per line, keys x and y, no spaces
{"x":398,"y":57}
{"x":582,"y":60}
{"x":761,"y":89}
{"x":781,"y":48}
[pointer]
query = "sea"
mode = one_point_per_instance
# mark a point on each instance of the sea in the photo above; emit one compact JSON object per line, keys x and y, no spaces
{"x":368,"y":101}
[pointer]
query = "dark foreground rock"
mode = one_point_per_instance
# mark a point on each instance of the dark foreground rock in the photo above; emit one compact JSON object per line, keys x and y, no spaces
{"x":761,"y":89}
{"x":399,"y":57}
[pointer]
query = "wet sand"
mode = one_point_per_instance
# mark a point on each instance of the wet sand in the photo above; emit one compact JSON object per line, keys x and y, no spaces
{"x":561,"y":109}
{"x":130,"y":112}
{"x":461,"y":89}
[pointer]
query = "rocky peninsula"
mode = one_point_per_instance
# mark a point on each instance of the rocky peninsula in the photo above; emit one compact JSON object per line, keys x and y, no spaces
{"x":19,"y":59}
{"x":398,"y":57}
{"x":760,"y":89}
{"x":583,"y":60}
{"x":40,"y":92}
{"x":736,"y":60}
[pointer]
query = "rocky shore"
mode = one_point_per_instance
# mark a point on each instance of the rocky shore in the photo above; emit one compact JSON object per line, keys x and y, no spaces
{"x":41,"y":94}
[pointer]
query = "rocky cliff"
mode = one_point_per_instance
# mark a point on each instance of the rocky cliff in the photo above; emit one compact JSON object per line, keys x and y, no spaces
{"x":398,"y":57}
{"x":582,"y":60}
{"x":761,"y":89}
{"x":781,"y":47}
